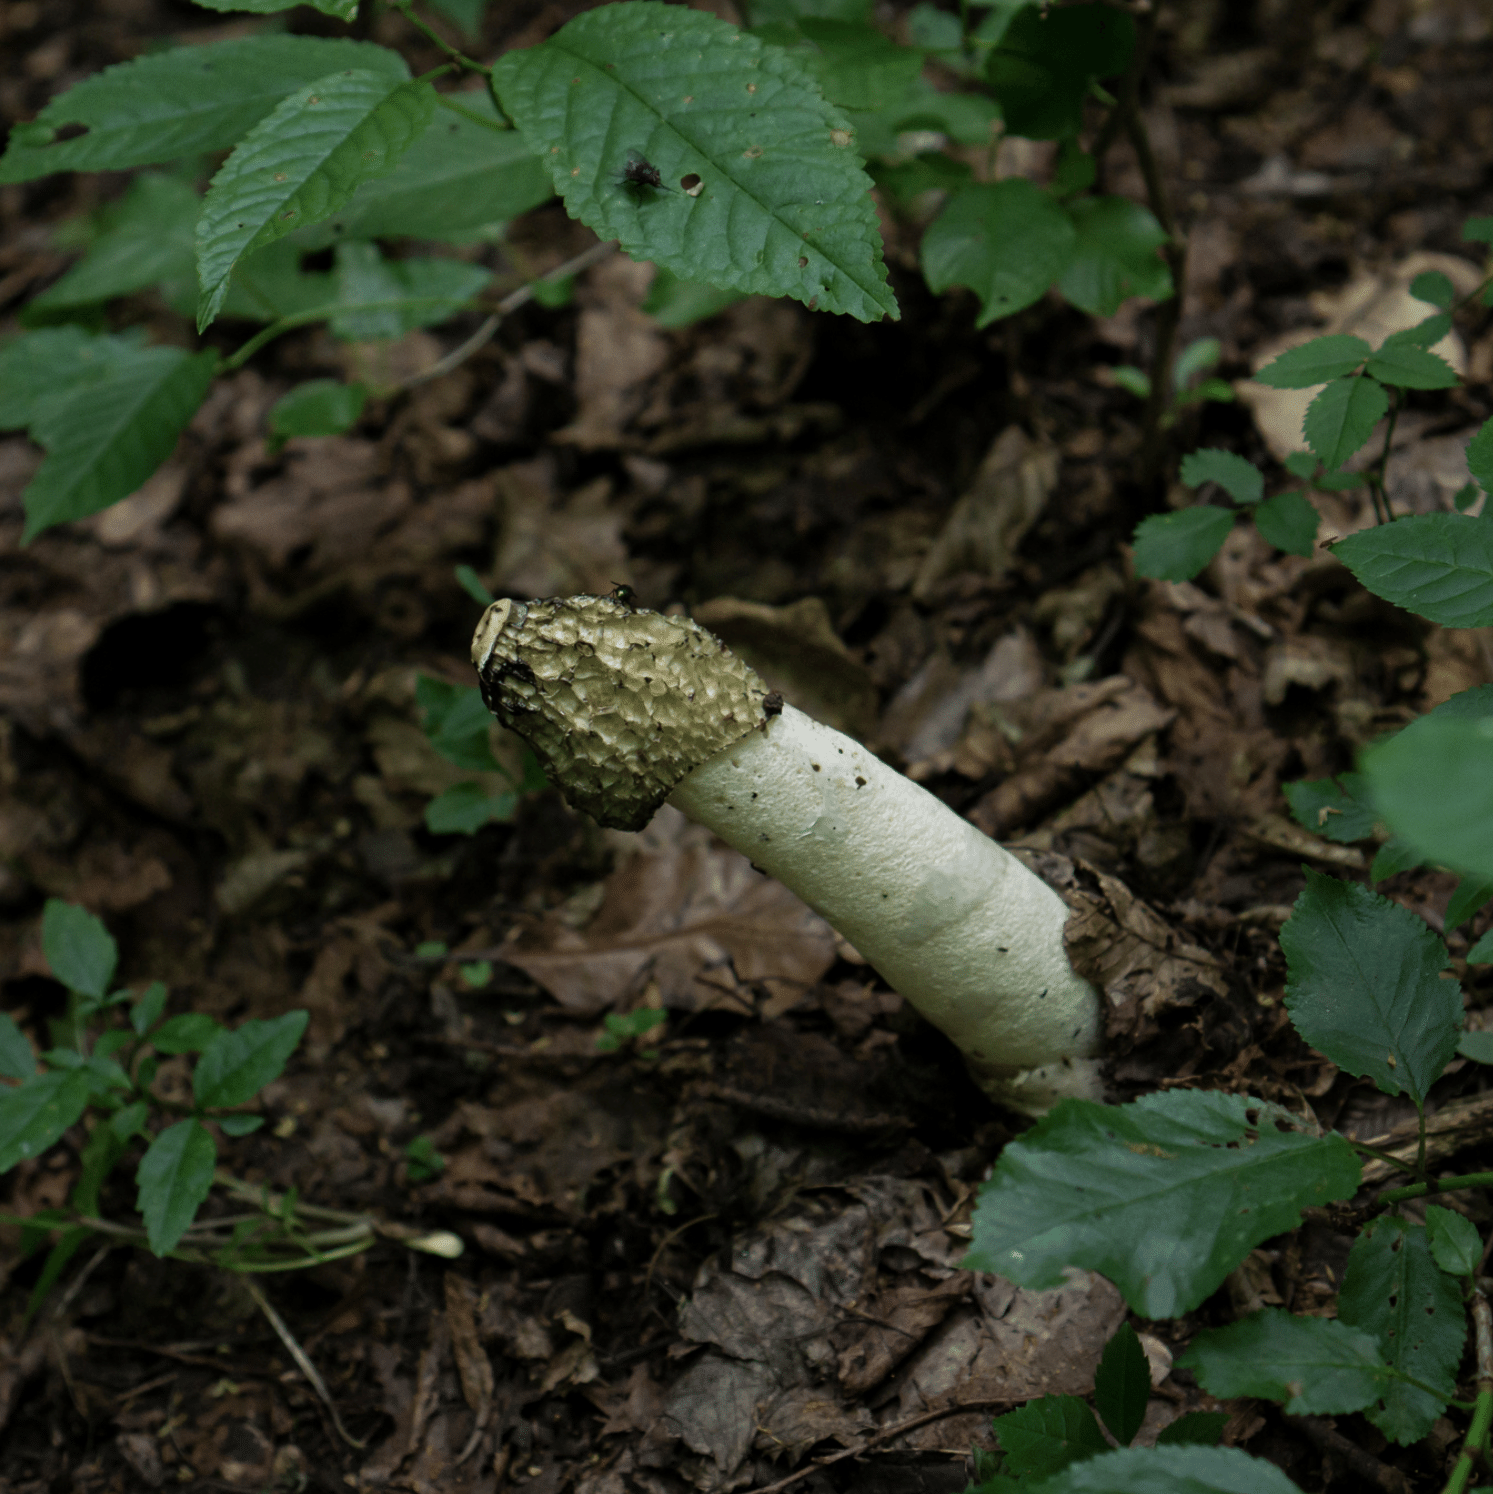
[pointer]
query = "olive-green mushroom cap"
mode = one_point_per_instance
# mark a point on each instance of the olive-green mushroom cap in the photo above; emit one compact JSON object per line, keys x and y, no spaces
{"x":619,"y":704}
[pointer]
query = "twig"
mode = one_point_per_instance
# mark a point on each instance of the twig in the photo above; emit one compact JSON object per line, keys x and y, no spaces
{"x":1358,"y":1460}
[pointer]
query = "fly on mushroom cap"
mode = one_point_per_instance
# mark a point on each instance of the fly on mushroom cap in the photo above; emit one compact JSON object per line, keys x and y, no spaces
{"x":609,"y":698}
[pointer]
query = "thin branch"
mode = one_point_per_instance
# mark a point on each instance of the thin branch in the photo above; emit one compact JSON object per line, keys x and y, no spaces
{"x":459,"y":58}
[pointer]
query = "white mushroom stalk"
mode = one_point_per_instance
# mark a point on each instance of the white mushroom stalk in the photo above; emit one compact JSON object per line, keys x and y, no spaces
{"x":627,"y":708}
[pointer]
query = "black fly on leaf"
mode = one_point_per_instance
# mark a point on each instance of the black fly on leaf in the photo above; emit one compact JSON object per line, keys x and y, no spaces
{"x":639,"y":172}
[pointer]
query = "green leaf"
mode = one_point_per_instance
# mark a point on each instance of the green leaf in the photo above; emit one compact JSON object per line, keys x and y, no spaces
{"x":1007,"y":241}
{"x":1302,"y":463}
{"x":1316,"y":362}
{"x":1408,"y":367}
{"x":339,"y":10}
{"x":1394,"y":1290}
{"x":100,"y":1152}
{"x":240,"y":1125}
{"x":1475,"y":704}
{"x":1394,"y":856}
{"x":458,"y":723}
{"x":1115,"y":256}
{"x":465,"y":808}
{"x":146,"y":1012}
{"x":319,"y":407}
{"x":673,"y":302}
{"x":1197,"y":357}
{"x":1175,"y":547}
{"x":1165,"y":1196}
{"x":1338,"y":808}
{"x":34,"y":1115}
{"x":461,"y":181}
{"x":1455,"y":1243}
{"x":1478,"y":231}
{"x":300,"y":164}
{"x":1236,"y":475}
{"x":1289,"y":522}
{"x":1042,"y":70}
{"x":399,"y":295}
{"x":1432,"y":786}
{"x":1074,"y":171}
{"x":270,"y":284}
{"x":1433,"y":286}
{"x":1480,"y":456}
{"x":129,"y":1120}
{"x":1478,"y":1046}
{"x":189,"y":1033}
{"x":431,"y":949}
{"x":40,"y":371}
{"x":80,"y":950}
{"x":857,"y":66}
{"x":1364,"y":986}
{"x":1047,"y":1434}
{"x":1313,"y":1366}
{"x":1342,"y":417}
{"x":1194,"y":1429}
{"x":104,"y":441}
{"x":932,"y":171}
{"x":175,"y":1175}
{"x":1122,"y":1385}
{"x":236,"y":1065}
{"x":1167,"y":1470}
{"x":1422,"y":335}
{"x":1133,"y":380}
{"x":147,"y":241}
{"x":1471,"y":895}
{"x":471,"y":583}
{"x":1481,"y":953}
{"x":17,"y":1057}
{"x":467,"y":14}
{"x":180,"y":102}
{"x":783,"y":205}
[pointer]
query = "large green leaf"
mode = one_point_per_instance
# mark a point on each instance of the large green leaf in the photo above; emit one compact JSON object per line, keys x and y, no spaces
{"x":1316,"y":362}
{"x":1289,"y":522}
{"x":1342,"y":417}
{"x":236,"y":1064}
{"x":175,"y":1175}
{"x":1168,"y":1470}
{"x":1047,"y":60}
{"x":1115,"y":256}
{"x":1007,"y":241}
{"x":1236,"y":475}
{"x":40,"y":371}
{"x":33,"y":1115}
{"x":462,"y":179}
{"x":1432,"y":784}
{"x":1164,"y":1196}
{"x":1394,"y":1290}
{"x":1409,"y":367}
{"x":109,"y":436}
{"x":1313,"y":1366}
{"x":403,"y":294}
{"x":80,"y":950}
{"x":1175,"y":547}
{"x":1364,"y":985}
{"x":177,"y":103}
{"x":1047,"y":1434}
{"x":300,"y":164}
{"x":1439,"y":565}
{"x":762,"y":190}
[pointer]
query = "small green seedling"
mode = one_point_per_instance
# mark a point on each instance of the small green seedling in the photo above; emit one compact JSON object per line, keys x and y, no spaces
{"x":422,"y":1161}
{"x":1193,"y":363}
{"x":622,"y":1030}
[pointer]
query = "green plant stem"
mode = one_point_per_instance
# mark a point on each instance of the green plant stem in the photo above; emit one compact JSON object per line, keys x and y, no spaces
{"x":1378,"y":493}
{"x":460,"y":58}
{"x":1437,"y":1185}
{"x":1380,"y":1155}
{"x":1476,"y":1444}
{"x":1420,"y":1146}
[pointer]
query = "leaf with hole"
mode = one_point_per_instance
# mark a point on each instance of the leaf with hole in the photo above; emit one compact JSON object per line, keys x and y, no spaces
{"x":1236,"y":475}
{"x":175,"y":1175}
{"x":300,"y":164}
{"x":765,"y":193}
{"x":235,"y":1065}
{"x":1289,"y":522}
{"x":1342,"y":417}
{"x":1115,"y":256}
{"x":1364,"y":988}
{"x":1007,"y":241}
{"x":1175,"y":547}
{"x":1394,"y":1290}
{"x":1316,"y":362}
{"x":180,"y":102}
{"x":1437,"y":565}
{"x":1165,"y":1196}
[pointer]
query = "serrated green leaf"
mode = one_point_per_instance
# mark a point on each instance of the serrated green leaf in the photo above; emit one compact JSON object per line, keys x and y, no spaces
{"x":399,"y":295}
{"x":1364,"y":985}
{"x":1407,"y":367}
{"x":1432,"y":786}
{"x":782,"y":205}
{"x":339,"y":10}
{"x":319,"y":407}
{"x":1194,"y":1429}
{"x":464,"y":178}
{"x":1338,"y":809}
{"x":1438,"y":565}
{"x":1316,"y":362}
{"x":1394,"y":1290}
{"x":1115,"y":255}
{"x":1122,"y":1385}
{"x":1046,"y":61}
{"x":1046,"y":1435}
{"x":1480,"y":456}
{"x":857,"y":66}
{"x":1167,"y":1470}
{"x":1313,"y":1366}
{"x":175,"y":1175}
{"x":1433,"y":286}
{"x":1481,"y":953}
{"x":36,"y":1113}
{"x":465,"y":808}
{"x":1471,"y":895}
{"x":1175,"y":547}
{"x":1342,"y":417}
{"x":673,"y":302}
{"x":300,"y":164}
{"x":1236,"y":475}
{"x":147,"y":241}
{"x":1456,"y":1245}
{"x":17,"y":1057}
{"x":81,"y":952}
{"x":235,"y":1065}
{"x":1475,"y":704}
{"x":1007,"y":241}
{"x":1164,"y":1196}
{"x":180,"y":102}
{"x":1289,"y":522}
{"x":40,"y":371}
{"x":1422,"y":335}
{"x":110,"y":435}
{"x":191,"y":1032}
{"x":146,"y":1012}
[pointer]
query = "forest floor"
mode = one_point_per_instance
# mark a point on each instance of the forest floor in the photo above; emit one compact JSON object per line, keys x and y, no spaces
{"x":727,"y":1253}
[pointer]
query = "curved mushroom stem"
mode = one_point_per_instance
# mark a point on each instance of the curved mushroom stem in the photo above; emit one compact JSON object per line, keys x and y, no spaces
{"x":954,"y":923}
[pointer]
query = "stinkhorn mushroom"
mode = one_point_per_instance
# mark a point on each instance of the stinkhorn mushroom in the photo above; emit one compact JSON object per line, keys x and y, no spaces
{"x":626,"y":708}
